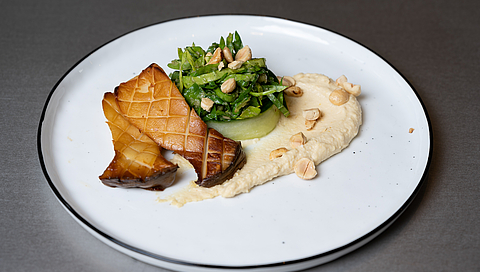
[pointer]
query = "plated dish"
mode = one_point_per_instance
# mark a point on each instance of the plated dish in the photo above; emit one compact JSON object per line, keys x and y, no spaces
{"x":287,"y":224}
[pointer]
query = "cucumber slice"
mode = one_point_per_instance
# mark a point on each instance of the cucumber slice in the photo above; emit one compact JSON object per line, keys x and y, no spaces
{"x":250,"y":128}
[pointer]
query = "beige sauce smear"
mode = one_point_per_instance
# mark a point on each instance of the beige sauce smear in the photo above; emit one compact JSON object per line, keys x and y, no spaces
{"x":331,"y":134}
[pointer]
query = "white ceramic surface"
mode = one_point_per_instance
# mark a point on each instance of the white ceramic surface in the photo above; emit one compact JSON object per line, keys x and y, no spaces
{"x":287,"y":224}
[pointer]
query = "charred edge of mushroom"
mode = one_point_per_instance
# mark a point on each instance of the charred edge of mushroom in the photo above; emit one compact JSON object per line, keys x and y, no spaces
{"x":219,"y":178}
{"x":159,"y":181}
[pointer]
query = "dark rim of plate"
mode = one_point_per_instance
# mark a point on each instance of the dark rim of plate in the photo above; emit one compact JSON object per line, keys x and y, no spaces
{"x":341,"y":250}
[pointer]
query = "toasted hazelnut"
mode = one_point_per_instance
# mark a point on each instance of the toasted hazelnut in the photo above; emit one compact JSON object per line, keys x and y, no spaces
{"x":309,"y":124}
{"x":221,"y":65}
{"x":305,"y":169}
{"x":342,"y":79}
{"x":293,"y":91}
{"x":352,"y":88}
{"x":297,"y":140}
{"x":311,"y":114}
{"x":277,"y":153}
{"x":287,"y":81}
{"x":217,"y":56}
{"x":207,"y":103}
{"x":411,"y":130}
{"x":227,"y":54}
{"x":338,"y":97}
{"x":234,"y":65}
{"x":228,"y":86}
{"x":244,"y":54}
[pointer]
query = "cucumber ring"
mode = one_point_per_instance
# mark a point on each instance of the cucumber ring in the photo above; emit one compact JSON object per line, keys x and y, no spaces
{"x":251,"y":128}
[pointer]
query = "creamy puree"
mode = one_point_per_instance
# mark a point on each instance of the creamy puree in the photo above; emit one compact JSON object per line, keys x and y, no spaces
{"x":333,"y":132}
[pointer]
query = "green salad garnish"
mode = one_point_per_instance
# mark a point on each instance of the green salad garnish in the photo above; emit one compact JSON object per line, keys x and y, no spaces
{"x":256,"y":88}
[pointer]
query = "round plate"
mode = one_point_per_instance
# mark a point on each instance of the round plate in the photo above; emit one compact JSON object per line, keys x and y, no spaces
{"x":287,"y":224}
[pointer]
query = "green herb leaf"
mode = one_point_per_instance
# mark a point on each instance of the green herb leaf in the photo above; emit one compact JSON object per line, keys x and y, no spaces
{"x":229,"y":44}
{"x":269,"y":89}
{"x":250,"y":112}
{"x":222,"y":43}
{"x":237,"y":43}
{"x":278,"y":101}
{"x":225,"y":97}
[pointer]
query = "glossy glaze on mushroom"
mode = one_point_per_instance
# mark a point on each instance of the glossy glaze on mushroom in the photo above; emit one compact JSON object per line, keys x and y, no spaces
{"x":138,"y":161}
{"x":153,"y":104}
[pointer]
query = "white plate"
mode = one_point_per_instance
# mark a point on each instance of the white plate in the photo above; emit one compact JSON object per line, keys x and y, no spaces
{"x":284,"y":225}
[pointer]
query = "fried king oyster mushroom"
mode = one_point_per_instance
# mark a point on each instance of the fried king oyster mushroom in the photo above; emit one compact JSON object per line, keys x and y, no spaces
{"x":153,"y":104}
{"x":138,"y":162}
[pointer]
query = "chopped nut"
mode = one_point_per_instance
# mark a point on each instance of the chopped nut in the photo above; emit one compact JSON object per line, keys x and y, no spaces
{"x":277,"y":153}
{"x":227,"y":54}
{"x":221,"y":65}
{"x":342,"y":79}
{"x":293,"y":91}
{"x":217,"y":56}
{"x":235,"y":64}
{"x":338,"y":97}
{"x":411,"y":130}
{"x":309,"y":124}
{"x":305,"y":169}
{"x":287,"y":81}
{"x":349,"y":87}
{"x":228,"y":86}
{"x":297,"y":140}
{"x":244,"y":54}
{"x":311,"y":114}
{"x":207,"y":103}
{"x":352,"y":88}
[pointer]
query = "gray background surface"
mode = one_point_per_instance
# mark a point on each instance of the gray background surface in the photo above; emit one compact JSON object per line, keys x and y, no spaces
{"x":435,"y":44}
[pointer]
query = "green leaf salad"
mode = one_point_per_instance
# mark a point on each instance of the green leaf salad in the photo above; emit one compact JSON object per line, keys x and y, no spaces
{"x":256,"y":91}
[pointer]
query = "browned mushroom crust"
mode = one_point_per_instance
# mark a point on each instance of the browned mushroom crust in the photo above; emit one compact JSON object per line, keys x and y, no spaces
{"x":138,"y":162}
{"x":152,"y":103}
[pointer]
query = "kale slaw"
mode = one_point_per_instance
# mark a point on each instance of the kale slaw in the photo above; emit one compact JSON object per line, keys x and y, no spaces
{"x":257,"y":87}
